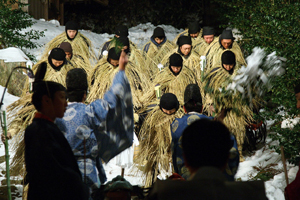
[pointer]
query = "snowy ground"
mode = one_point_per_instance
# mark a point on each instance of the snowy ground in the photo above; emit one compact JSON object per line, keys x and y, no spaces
{"x":140,"y":34}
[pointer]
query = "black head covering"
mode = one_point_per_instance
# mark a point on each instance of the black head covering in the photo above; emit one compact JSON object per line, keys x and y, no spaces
{"x":175,"y":60}
{"x":71,"y":25}
{"x":227,"y":34}
{"x":207,"y":30}
{"x":57,"y":54}
{"x":125,"y":42}
{"x":297,"y":89}
{"x":192,"y":93}
{"x":194,"y":27}
{"x":169,"y":101}
{"x":184,"y":40}
{"x":41,"y":88}
{"x":113,"y":54}
{"x":76,"y":80}
{"x":158,"y":32}
{"x":228,"y":57}
{"x":122,"y":30}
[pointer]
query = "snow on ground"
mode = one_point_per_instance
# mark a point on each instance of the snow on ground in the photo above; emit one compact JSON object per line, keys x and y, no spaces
{"x":140,"y":34}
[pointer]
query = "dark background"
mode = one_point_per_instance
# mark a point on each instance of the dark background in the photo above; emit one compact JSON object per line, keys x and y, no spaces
{"x":103,"y":19}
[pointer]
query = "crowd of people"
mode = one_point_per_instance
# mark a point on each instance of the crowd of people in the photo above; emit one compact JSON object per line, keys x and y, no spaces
{"x":83,"y":114}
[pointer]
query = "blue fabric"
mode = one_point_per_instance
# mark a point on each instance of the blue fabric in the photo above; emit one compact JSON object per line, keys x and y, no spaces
{"x":177,"y":128}
{"x":105,"y":124}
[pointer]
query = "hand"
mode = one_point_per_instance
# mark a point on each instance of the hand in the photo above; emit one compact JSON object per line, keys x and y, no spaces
{"x":8,"y":136}
{"x":123,"y":59}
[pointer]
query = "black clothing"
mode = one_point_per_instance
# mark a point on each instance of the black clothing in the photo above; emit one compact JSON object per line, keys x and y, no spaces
{"x":52,"y":170}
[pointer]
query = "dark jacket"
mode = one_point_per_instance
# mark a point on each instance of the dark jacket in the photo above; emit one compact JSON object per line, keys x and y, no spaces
{"x":208,"y":184}
{"x":52,"y":170}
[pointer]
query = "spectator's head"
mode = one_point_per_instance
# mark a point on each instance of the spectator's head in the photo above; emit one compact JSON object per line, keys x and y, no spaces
{"x":194,"y":29}
{"x":77,"y":85}
{"x":48,"y":97}
{"x":226,"y":39}
{"x":71,"y":29}
{"x":175,"y":63}
{"x":158,"y":35}
{"x":121,"y":31}
{"x":208,"y":34}
{"x":66,"y":46}
{"x":113,"y":57}
{"x":297,"y":94}
{"x":57,"y":58}
{"x":192,"y":99}
{"x":206,"y":143}
{"x":228,"y":61}
{"x":169,"y":103}
{"x":185,"y":45}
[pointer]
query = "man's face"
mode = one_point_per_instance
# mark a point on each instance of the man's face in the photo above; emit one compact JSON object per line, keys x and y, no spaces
{"x":194,"y":35}
{"x":56,"y":63}
{"x":169,"y":112}
{"x":186,"y":49}
{"x":228,"y":67}
{"x":208,"y":38}
{"x":176,"y":69}
{"x":226,"y":43}
{"x":114,"y":62}
{"x":159,"y":40}
{"x":68,"y":55}
{"x":71,"y":33}
{"x":298,"y":100}
{"x":59,"y":103}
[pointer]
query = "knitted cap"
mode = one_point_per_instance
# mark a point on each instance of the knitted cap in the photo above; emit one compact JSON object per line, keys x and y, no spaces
{"x":176,"y":60}
{"x":158,"y":32}
{"x":184,"y":40}
{"x":194,"y":27}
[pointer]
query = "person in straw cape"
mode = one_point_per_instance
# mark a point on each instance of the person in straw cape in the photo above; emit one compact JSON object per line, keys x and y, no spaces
{"x":194,"y":31}
{"x":155,"y":49}
{"x":104,"y":71}
{"x":190,"y":58}
{"x":208,"y":39}
{"x":154,"y":156}
{"x":172,"y":79}
{"x":81,"y":45}
{"x":239,"y":114}
{"x":226,"y":42}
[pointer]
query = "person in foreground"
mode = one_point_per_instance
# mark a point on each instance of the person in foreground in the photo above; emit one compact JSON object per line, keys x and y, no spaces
{"x":206,"y":160}
{"x":52,"y":170}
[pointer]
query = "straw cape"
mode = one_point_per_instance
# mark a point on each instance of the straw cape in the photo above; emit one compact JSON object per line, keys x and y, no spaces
{"x":202,"y":46}
{"x":186,"y":33}
{"x":192,"y":61}
{"x":81,"y":45}
{"x":169,"y":83}
{"x":22,"y":111}
{"x":155,"y":141}
{"x":214,"y":53}
{"x":239,"y":114}
{"x":103,"y":73}
{"x":155,"y":54}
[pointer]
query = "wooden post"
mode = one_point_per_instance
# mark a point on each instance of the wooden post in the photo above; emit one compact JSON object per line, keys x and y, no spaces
{"x":284,"y":165}
{"x":46,"y":7}
{"x":61,"y":13}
